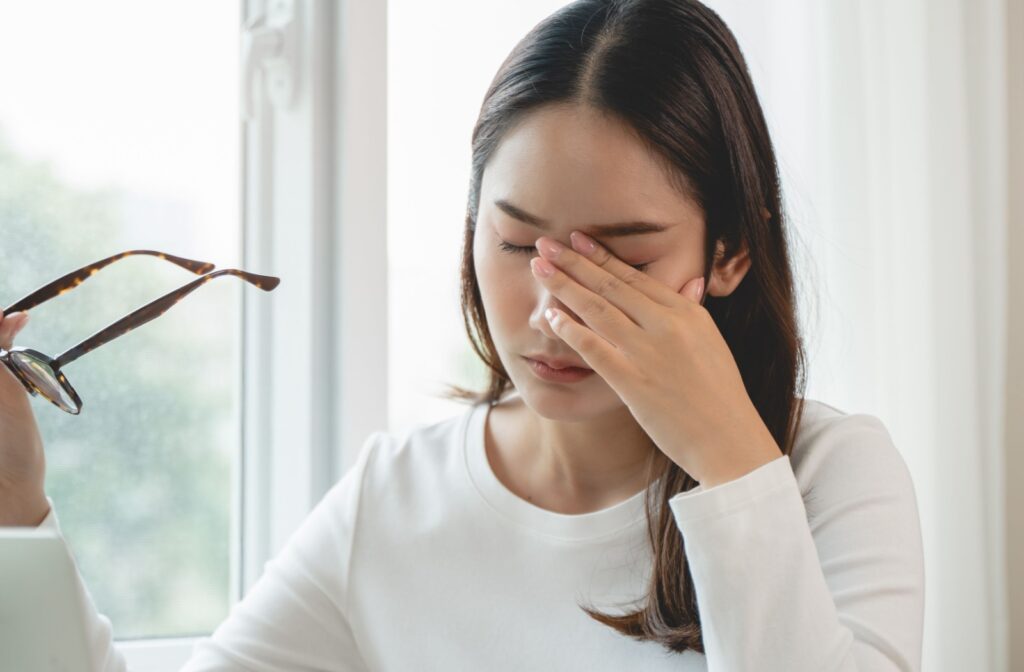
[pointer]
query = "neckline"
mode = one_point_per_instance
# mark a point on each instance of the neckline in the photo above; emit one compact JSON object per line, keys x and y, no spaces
{"x":573,"y":527}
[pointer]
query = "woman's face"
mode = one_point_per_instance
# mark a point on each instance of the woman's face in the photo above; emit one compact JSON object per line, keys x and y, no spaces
{"x":571,"y":168}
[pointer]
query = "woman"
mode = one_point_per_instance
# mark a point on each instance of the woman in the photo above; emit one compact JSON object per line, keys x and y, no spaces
{"x":641,"y":485}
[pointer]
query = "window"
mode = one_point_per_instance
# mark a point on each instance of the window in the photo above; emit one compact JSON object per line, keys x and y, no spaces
{"x":434,"y":95}
{"x":115,"y":137}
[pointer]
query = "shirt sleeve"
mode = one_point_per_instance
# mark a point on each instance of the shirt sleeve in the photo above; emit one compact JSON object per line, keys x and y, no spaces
{"x":103,"y":657}
{"x":293,"y":617}
{"x":831,"y":579}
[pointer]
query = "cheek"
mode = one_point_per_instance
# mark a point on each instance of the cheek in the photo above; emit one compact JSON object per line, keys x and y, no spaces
{"x":675,"y":270}
{"x":488,"y":266}
{"x":496,"y":267}
{"x":507,"y":286}
{"x":667,"y":275}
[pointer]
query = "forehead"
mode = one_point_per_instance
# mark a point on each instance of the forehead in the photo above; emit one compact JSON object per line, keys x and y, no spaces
{"x":575,"y":163}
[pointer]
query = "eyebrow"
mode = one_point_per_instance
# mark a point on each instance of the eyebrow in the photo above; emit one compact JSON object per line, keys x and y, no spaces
{"x":618,"y":230}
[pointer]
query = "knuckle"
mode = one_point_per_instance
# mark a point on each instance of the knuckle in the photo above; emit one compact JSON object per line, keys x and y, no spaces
{"x":601,"y":255}
{"x":633,"y":277}
{"x":595,"y":307}
{"x":609,"y":285}
{"x":587,"y":341}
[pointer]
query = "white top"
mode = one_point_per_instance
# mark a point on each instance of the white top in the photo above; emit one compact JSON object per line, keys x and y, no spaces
{"x":419,"y":558}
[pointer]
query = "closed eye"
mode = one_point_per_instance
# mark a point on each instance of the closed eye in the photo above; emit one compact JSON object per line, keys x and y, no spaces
{"x":520,"y":249}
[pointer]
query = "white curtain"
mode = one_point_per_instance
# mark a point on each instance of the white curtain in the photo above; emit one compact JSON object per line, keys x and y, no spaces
{"x":890,"y":123}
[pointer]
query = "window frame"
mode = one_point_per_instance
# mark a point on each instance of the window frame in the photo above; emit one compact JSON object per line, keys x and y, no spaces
{"x":314,"y":213}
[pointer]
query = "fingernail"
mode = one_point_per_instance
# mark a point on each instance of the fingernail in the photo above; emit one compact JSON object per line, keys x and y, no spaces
{"x":542,"y":267}
{"x":550,"y":248}
{"x":582,"y":242}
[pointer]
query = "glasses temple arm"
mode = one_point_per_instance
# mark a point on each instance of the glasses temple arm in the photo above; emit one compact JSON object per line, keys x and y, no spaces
{"x":155,"y":309}
{"x":71,"y":280}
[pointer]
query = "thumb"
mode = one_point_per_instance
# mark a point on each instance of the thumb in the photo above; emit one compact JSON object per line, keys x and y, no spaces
{"x":11,"y":326}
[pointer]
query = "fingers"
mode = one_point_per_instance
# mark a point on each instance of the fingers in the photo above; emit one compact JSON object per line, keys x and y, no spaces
{"x":9,"y":328}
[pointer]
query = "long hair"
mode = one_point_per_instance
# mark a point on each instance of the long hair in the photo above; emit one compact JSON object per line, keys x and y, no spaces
{"x":673,"y":71}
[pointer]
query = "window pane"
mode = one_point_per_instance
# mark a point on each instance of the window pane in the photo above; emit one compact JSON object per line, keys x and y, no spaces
{"x":434,"y":95}
{"x":118,"y":131}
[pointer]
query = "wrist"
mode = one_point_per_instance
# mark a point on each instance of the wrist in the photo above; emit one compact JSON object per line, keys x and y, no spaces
{"x":743,"y":459}
{"x":23,"y":511}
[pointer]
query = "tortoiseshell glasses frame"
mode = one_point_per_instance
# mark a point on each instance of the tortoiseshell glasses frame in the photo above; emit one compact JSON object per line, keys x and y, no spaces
{"x":43,"y":375}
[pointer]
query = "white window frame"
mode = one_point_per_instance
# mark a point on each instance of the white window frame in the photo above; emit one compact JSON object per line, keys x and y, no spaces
{"x":315,"y":356}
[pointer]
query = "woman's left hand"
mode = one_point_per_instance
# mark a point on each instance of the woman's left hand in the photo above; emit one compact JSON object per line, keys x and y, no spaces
{"x":662,"y":353}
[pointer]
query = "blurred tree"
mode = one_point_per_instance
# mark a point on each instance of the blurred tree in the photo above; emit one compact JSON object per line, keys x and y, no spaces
{"x":142,"y":479}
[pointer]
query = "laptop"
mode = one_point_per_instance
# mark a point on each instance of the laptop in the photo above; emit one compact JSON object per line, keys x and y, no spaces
{"x":40,"y":626}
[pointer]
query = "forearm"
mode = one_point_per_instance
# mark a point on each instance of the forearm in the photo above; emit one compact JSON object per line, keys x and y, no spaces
{"x":753,"y":449}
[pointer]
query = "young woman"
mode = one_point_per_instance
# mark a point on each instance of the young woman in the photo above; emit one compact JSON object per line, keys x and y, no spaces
{"x":641,"y":486}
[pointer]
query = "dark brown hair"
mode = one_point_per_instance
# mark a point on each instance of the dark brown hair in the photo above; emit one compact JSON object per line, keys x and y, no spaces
{"x":673,"y":72}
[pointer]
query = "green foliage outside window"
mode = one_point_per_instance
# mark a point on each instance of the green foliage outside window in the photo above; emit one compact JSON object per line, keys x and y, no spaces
{"x":142,"y":479}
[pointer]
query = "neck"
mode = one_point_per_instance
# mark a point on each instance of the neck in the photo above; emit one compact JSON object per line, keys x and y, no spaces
{"x":571,"y":466}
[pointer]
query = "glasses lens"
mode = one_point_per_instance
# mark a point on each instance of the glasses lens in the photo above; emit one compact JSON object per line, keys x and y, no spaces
{"x":41,"y":375}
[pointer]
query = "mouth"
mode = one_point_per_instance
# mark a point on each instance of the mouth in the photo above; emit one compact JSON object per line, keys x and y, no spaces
{"x":566,"y":374}
{"x":556,"y":363}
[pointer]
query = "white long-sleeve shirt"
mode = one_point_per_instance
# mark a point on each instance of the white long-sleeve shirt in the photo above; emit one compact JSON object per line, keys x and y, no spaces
{"x":419,"y":558}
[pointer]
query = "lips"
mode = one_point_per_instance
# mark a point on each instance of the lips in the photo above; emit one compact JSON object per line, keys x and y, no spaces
{"x":557,"y":363}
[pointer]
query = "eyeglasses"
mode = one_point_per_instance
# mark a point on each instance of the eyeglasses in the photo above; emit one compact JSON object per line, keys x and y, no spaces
{"x":42,"y":374}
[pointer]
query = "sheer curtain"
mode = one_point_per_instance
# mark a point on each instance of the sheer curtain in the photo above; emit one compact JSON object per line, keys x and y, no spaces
{"x":890,"y":119}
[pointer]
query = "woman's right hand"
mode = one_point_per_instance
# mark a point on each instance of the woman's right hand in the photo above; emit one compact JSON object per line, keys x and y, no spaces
{"x":22,"y":462}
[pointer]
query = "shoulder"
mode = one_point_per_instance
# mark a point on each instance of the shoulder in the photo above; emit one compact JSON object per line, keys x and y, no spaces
{"x":415,"y":453}
{"x":842,"y":455}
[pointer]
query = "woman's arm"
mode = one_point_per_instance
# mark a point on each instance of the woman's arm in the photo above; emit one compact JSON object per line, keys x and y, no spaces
{"x":828,"y":579}
{"x":103,"y":656}
{"x":293,"y":617}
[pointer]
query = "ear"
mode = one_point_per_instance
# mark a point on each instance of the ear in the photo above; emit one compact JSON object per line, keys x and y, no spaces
{"x":726,"y":274}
